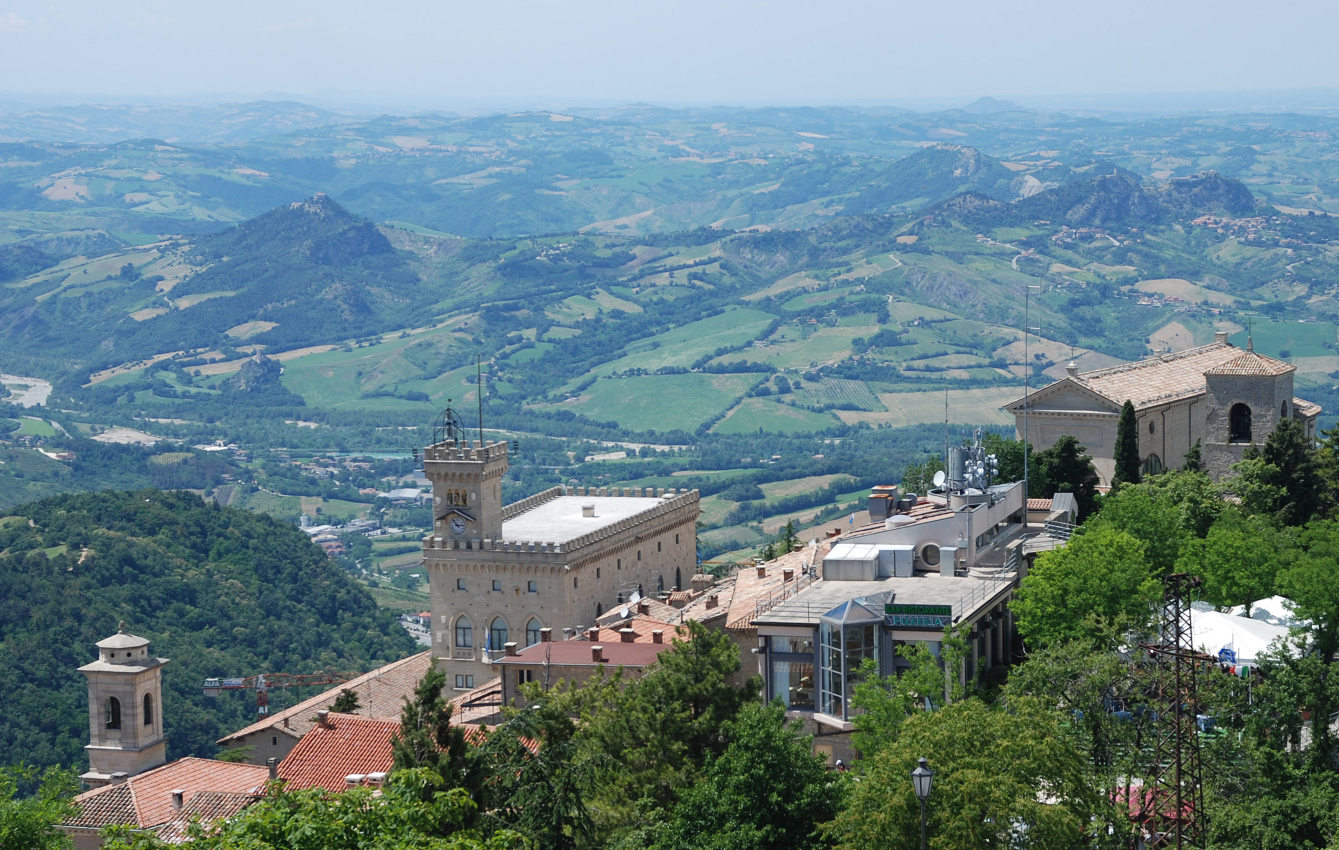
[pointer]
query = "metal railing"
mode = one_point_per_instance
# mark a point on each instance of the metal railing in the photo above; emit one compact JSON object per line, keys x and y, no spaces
{"x":1058,"y":528}
{"x":786,"y":591}
{"x":991,"y":585}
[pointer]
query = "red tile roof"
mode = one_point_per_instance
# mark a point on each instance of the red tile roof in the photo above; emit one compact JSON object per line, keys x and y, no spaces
{"x":579,"y":653}
{"x":347,"y":744}
{"x":146,"y":800}
{"x":1253,"y":365}
{"x":380,"y":693}
{"x":205,"y":807}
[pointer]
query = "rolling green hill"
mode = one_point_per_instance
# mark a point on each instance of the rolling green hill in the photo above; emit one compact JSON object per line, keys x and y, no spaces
{"x":220,"y":592}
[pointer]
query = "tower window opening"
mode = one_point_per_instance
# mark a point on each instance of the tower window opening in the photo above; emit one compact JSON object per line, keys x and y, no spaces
{"x":111,"y":709}
{"x":1239,"y":423}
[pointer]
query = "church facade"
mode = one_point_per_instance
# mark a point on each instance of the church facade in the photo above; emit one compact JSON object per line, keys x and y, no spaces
{"x":499,"y":574}
{"x":1223,"y":397}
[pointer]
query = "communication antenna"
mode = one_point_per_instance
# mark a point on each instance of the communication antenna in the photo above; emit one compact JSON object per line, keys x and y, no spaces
{"x":1172,"y":799}
{"x":1027,"y":386}
{"x":479,"y":390}
{"x":447,"y":427}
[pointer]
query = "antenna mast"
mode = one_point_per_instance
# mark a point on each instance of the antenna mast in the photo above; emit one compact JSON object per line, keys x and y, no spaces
{"x":1172,"y":800}
{"x":479,"y":390}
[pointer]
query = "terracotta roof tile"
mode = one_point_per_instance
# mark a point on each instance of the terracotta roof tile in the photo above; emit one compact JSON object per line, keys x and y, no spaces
{"x":380,"y":693}
{"x":750,"y":589}
{"x":1306,"y":408}
{"x":348,"y":744}
{"x":1251,"y":364}
{"x":206,"y":807}
{"x":578,"y":653}
{"x":1160,"y":379}
{"x":146,"y":800}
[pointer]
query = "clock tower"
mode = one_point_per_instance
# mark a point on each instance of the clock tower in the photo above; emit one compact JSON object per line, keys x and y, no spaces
{"x":466,"y":483}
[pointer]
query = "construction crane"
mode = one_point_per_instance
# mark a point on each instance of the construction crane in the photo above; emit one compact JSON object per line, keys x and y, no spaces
{"x":263,"y":683}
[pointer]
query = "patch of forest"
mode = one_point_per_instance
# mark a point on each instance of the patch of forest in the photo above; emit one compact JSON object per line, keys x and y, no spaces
{"x":220,"y":592}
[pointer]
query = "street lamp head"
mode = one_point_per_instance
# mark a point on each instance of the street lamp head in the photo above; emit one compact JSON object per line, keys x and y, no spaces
{"x":921,"y":779}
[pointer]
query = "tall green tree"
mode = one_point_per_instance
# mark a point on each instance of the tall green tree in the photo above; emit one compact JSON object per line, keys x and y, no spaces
{"x":1066,"y":467}
{"x":1283,"y":479}
{"x":766,"y":791}
{"x":1003,"y":779}
{"x":28,"y":820}
{"x":1100,"y":584}
{"x":1238,"y":559}
{"x":1149,"y":515}
{"x":428,"y":739}
{"x":1127,"y":447}
{"x":660,"y":730}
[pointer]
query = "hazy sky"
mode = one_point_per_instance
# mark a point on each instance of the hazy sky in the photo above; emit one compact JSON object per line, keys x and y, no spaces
{"x":690,"y":51}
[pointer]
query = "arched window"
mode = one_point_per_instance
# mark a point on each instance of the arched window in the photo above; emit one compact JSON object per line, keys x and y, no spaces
{"x":497,"y":634}
{"x":599,"y":609}
{"x":1283,"y":410}
{"x":660,"y":584}
{"x":148,"y":710}
{"x":532,"y":631}
{"x":1239,"y":423}
{"x":1152,"y":465}
{"x":464,"y":633}
{"x":678,"y":578}
{"x":112,"y":710}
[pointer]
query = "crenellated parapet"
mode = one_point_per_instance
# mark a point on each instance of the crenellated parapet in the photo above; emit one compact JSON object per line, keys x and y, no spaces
{"x":451,"y":450}
{"x":529,"y":503}
{"x":674,"y":503}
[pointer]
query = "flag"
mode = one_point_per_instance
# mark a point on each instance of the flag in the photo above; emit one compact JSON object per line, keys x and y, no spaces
{"x":852,"y":520}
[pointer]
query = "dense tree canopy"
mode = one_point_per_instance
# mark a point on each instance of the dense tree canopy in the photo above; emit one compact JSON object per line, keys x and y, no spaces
{"x":220,"y":592}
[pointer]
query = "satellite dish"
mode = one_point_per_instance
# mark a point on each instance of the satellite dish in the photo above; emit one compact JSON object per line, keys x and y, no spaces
{"x":635,"y":597}
{"x":624,"y":613}
{"x":940,"y":478}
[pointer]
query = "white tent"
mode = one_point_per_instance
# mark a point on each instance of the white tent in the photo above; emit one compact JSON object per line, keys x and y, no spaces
{"x":1275,"y":610}
{"x":1245,"y":637}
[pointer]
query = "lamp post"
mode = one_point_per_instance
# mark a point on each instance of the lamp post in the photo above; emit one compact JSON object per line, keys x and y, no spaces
{"x":921,"y":779}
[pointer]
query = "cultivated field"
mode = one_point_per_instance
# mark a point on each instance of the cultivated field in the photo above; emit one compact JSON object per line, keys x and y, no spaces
{"x":980,"y":406}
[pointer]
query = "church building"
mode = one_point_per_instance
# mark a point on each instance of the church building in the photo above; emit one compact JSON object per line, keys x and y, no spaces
{"x":498,"y":574}
{"x":1221,"y":396}
{"x":125,"y":721}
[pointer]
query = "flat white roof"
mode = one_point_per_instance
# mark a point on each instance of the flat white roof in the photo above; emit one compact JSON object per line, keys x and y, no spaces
{"x":560,"y":520}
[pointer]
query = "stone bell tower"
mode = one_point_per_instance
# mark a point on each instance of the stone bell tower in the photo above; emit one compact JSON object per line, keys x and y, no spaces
{"x":125,"y":717}
{"x":466,"y":483}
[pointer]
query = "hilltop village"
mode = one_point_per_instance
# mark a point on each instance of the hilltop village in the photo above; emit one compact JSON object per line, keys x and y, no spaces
{"x":560,"y":613}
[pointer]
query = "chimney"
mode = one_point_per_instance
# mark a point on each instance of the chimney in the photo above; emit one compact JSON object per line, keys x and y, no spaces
{"x":627,"y":635}
{"x":509,"y":647}
{"x":787,"y":574}
{"x":323,"y":718}
{"x":657,"y":636}
{"x":118,"y":777}
{"x":643,"y":606}
{"x":378,"y":778}
{"x":593,"y":633}
{"x":588,"y":510}
{"x":597,"y":654}
{"x":273,"y":764}
{"x":1220,"y":336}
{"x":762,"y":571}
{"x":711,"y":601}
{"x":545,"y":635}
{"x":178,"y":798}
{"x":354,"y":779}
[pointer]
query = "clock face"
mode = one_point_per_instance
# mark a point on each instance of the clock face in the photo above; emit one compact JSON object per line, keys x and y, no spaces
{"x":457,"y":525}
